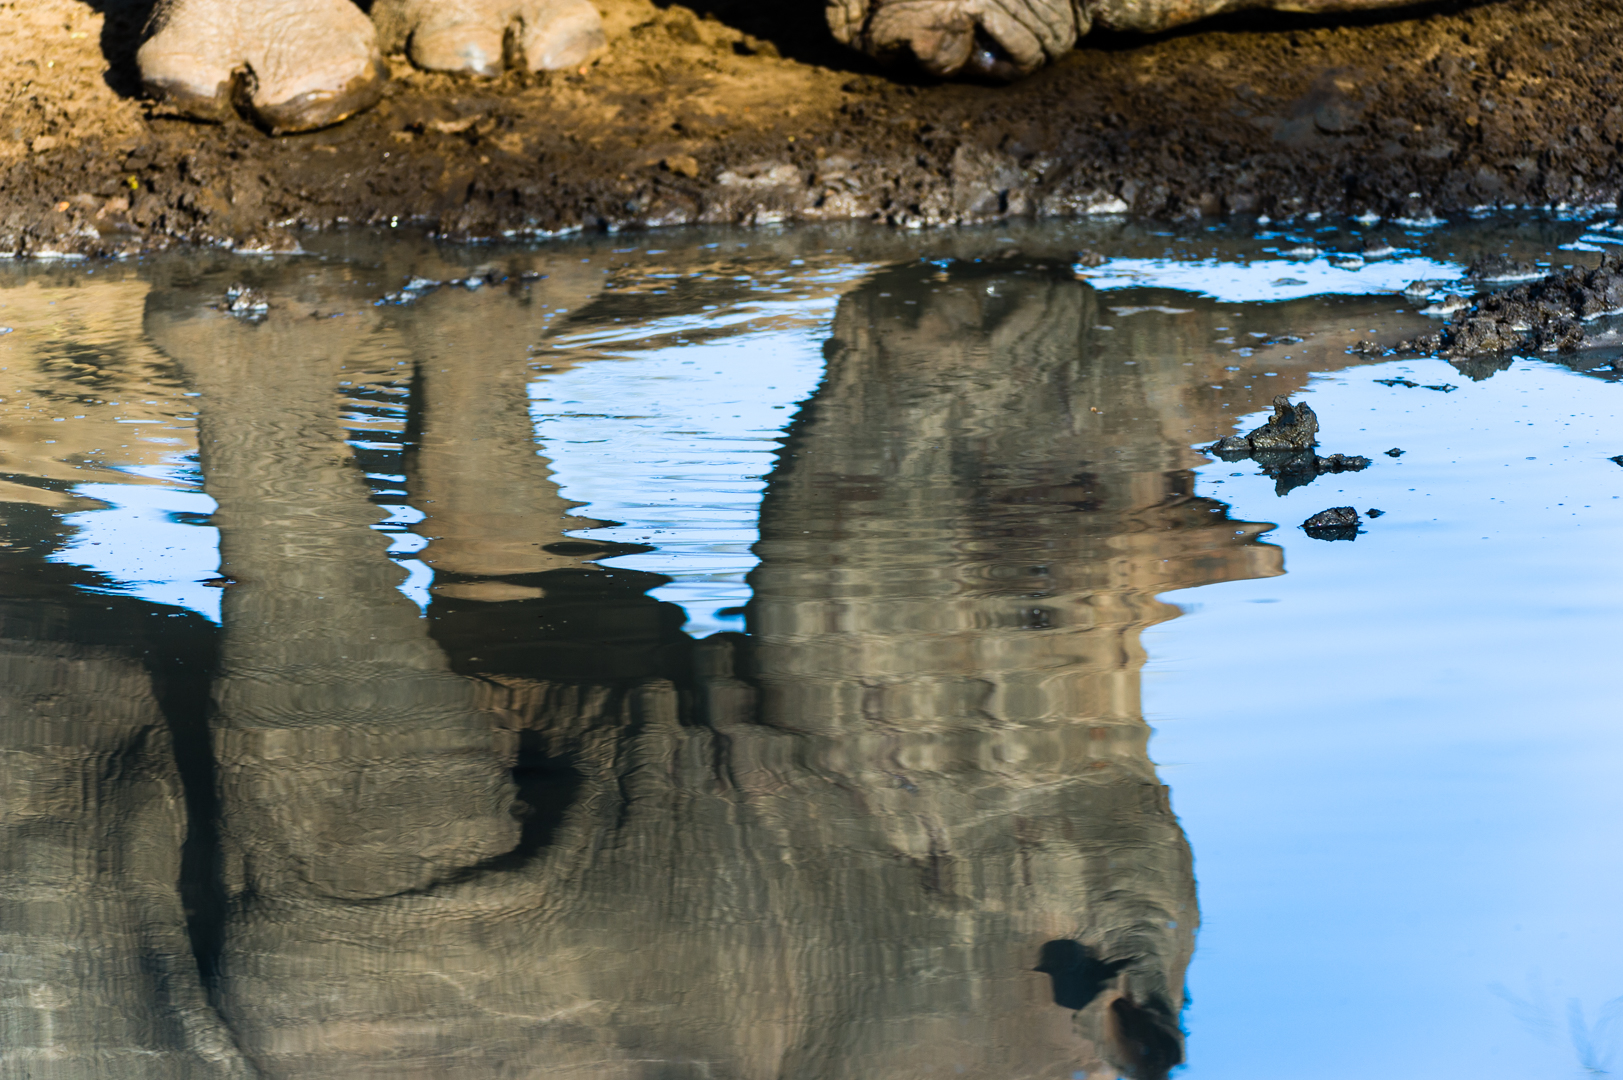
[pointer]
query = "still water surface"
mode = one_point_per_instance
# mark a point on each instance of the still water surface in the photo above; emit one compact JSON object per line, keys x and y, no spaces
{"x":814,"y":654}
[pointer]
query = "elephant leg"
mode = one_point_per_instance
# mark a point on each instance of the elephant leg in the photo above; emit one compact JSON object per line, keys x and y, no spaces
{"x":293,"y":65}
{"x":472,"y":35}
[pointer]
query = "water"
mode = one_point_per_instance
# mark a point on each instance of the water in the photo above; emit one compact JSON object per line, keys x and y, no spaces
{"x":822,"y":653}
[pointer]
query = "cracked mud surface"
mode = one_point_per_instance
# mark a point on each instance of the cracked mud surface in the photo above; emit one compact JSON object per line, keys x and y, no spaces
{"x":741,"y":115}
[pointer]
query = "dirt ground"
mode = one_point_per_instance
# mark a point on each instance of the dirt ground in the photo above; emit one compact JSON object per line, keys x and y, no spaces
{"x":739,"y":111}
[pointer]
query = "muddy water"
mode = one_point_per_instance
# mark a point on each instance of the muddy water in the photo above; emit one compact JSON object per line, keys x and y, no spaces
{"x":811,"y":654}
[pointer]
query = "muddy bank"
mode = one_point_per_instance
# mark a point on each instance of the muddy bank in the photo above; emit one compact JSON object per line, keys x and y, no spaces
{"x":727,"y":115}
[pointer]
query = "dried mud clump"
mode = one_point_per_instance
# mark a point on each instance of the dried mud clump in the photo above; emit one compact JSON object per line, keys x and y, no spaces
{"x":1547,"y":315}
{"x":1336,"y":523}
{"x":1283,"y":447}
{"x":1292,"y":427}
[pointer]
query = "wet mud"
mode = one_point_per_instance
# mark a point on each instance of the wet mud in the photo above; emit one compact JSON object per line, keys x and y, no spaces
{"x":1560,"y":312}
{"x":726,"y":112}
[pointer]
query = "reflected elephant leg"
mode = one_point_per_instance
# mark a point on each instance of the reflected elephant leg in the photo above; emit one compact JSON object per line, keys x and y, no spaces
{"x":97,"y":976}
{"x":354,"y":767}
{"x":490,"y":507}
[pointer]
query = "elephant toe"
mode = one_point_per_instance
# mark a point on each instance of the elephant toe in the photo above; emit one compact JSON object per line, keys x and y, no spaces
{"x":342,"y":96}
{"x":294,"y":66}
{"x":472,"y":36}
{"x":997,"y":40}
{"x":556,"y":35}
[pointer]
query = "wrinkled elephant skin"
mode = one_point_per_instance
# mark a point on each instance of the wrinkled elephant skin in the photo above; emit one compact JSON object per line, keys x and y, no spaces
{"x":295,"y":65}
{"x":1005,"y":39}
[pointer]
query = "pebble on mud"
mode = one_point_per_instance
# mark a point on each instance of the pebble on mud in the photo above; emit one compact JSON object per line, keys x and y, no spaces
{"x":1336,"y":523}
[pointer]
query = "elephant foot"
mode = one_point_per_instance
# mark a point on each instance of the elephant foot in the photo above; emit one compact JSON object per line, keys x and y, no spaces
{"x":291,"y":65}
{"x":999,"y":40}
{"x":476,"y":37}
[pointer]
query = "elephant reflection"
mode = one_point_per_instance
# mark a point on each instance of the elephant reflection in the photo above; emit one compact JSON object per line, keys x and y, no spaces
{"x":906,"y":826}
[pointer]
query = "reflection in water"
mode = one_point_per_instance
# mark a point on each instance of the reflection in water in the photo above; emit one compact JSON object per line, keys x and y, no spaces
{"x":905,"y":826}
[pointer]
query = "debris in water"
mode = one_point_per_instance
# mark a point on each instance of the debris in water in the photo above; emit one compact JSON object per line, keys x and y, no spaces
{"x":1394,"y":452}
{"x":1616,"y":458}
{"x":1419,"y":290}
{"x":1336,"y":523}
{"x":1499,"y":269}
{"x":1373,"y":513}
{"x":1398,"y":382}
{"x":245,"y":303}
{"x":1292,"y":427}
{"x":1449,"y":304}
{"x":1447,"y":388}
{"x":1546,"y":315}
{"x":412,"y":290}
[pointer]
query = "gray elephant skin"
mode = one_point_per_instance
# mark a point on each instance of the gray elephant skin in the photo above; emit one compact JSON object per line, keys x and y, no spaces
{"x":906,"y":824}
{"x":294,"y":65}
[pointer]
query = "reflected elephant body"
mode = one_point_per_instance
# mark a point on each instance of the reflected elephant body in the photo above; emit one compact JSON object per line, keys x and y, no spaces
{"x":906,"y":824}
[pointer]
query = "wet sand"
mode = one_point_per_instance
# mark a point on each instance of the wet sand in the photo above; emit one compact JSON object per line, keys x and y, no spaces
{"x":743,"y":115}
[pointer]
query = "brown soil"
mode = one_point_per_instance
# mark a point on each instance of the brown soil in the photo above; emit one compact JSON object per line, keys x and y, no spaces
{"x":739,"y":114}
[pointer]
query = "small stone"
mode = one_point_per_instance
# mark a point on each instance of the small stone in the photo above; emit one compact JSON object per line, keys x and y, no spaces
{"x":682,"y":165}
{"x":1337,"y":463}
{"x":1373,"y":513}
{"x":1336,"y":523}
{"x":1395,"y":452}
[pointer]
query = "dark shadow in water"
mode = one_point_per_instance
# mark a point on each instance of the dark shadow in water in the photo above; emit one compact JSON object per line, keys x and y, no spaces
{"x":1146,"y":1038}
{"x":1076,"y":974}
{"x":598,"y":627}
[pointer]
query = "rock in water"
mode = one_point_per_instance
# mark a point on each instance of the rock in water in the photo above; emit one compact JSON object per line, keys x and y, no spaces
{"x":1292,"y":427}
{"x":1547,"y":315}
{"x":1336,"y":523}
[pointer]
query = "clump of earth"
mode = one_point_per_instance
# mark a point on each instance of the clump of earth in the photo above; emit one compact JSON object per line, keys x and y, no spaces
{"x":724,"y":111}
{"x":1558,"y":312}
{"x":1284,"y":447}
